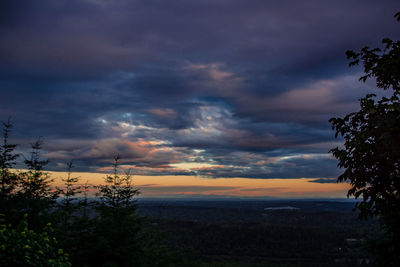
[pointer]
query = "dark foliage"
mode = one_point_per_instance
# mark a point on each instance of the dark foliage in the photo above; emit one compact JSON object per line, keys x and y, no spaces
{"x":8,"y":179}
{"x":35,"y":194}
{"x":69,"y":193}
{"x":106,"y":231}
{"x":118,"y":228}
{"x":22,"y":246}
{"x":371,"y":153}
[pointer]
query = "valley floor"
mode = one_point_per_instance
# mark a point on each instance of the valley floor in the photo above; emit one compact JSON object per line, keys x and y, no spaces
{"x":262,"y":233}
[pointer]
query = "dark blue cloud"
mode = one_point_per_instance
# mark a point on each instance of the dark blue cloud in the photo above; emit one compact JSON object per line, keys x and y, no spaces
{"x":243,"y":87}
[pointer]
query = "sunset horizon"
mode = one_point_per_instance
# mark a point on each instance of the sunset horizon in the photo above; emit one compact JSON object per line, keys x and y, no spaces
{"x":223,"y":188}
{"x":216,"y":89}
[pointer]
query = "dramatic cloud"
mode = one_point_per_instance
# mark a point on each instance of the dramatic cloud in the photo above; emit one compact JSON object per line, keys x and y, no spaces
{"x":214,"y":88}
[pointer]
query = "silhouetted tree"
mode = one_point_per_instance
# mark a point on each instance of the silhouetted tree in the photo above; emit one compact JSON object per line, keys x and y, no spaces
{"x":68,"y":193}
{"x":102,"y":232}
{"x":35,"y":192}
{"x":84,"y":203}
{"x":118,"y":191}
{"x":8,"y":179}
{"x":118,"y":226}
{"x":66,"y":217}
{"x":371,"y":152}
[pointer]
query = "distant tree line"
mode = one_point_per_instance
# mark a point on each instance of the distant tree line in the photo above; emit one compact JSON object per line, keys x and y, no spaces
{"x":42,"y":225}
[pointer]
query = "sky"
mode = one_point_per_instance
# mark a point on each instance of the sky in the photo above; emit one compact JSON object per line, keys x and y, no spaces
{"x":180,"y":89}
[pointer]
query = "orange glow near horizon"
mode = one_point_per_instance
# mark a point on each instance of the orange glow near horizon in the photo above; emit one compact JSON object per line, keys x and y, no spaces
{"x":169,"y":186}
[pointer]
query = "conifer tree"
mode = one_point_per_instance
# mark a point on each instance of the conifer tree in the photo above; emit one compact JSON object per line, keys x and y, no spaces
{"x":35,"y":193}
{"x":119,"y":228}
{"x":8,"y":179}
{"x":68,"y":194}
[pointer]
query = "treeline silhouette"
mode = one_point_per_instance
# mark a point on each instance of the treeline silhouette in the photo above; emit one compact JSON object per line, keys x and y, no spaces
{"x":42,"y":225}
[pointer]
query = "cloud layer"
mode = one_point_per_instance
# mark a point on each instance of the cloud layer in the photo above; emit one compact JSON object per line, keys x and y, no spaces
{"x":212,"y":88}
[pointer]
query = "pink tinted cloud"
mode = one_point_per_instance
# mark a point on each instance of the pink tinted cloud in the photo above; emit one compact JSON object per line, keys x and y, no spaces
{"x":163,"y":112}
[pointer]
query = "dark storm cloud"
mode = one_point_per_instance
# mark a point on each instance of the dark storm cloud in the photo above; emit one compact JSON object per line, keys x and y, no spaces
{"x":324,"y":181}
{"x":281,"y":38}
{"x":244,"y":87}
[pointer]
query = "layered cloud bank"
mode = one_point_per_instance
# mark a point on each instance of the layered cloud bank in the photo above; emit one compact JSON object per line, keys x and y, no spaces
{"x":211,"y":88}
